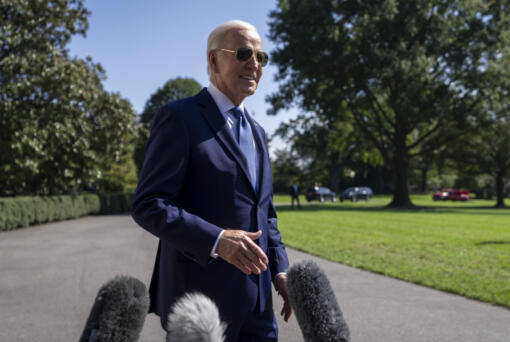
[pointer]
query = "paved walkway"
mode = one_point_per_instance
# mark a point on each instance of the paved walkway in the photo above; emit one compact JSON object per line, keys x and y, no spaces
{"x":50,"y":275}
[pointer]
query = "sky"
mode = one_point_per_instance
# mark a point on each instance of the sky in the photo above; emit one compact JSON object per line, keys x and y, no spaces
{"x":143,"y":44}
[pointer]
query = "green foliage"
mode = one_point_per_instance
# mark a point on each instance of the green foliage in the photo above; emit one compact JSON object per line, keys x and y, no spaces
{"x":116,"y":203}
{"x":488,"y":152}
{"x":174,"y":89}
{"x":60,"y":130}
{"x":143,"y":132}
{"x":412,"y":73}
{"x":485,"y":187}
{"x":40,"y":25}
{"x":24,"y":211}
{"x":285,"y":171}
{"x":325,"y":146}
{"x":121,"y":175}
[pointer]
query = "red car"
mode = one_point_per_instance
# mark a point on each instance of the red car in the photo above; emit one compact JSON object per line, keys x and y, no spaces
{"x":451,"y":194}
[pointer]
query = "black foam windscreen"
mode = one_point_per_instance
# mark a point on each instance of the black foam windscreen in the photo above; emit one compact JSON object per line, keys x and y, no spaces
{"x":315,"y":305}
{"x":118,"y":313}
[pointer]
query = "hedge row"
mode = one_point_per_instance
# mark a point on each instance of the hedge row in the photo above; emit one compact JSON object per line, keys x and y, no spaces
{"x":116,"y":203}
{"x":24,"y":211}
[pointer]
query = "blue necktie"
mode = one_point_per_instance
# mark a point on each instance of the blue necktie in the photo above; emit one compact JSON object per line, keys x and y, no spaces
{"x":247,"y":144}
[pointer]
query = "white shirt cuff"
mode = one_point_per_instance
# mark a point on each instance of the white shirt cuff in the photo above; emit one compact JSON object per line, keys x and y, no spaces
{"x":277,"y":274}
{"x":213,"y":253}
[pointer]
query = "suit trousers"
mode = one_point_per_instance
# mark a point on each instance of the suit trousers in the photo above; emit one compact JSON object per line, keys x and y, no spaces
{"x":256,"y":326}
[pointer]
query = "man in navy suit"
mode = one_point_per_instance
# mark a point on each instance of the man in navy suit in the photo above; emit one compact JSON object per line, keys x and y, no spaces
{"x":206,"y":192}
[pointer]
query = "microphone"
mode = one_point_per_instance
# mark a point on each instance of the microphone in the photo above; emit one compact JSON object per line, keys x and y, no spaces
{"x":195,"y":318}
{"x":314,"y":302}
{"x":119,"y":311}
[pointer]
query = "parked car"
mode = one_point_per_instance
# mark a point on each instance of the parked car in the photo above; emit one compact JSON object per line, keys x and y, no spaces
{"x":321,"y":194}
{"x":357,"y":193}
{"x":441,"y":195}
{"x":451,"y":194}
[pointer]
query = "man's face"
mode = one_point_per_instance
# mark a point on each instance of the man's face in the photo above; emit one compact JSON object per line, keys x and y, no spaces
{"x":234,"y":78}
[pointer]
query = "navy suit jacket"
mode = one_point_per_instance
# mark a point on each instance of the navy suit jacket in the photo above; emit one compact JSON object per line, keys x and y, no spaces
{"x":195,"y":182}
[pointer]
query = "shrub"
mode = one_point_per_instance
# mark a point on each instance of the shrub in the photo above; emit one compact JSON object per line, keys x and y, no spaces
{"x":116,"y":203}
{"x":23,"y":211}
{"x":27,"y":210}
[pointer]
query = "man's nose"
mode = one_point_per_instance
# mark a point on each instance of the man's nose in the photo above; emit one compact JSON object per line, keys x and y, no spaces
{"x":253,"y":62}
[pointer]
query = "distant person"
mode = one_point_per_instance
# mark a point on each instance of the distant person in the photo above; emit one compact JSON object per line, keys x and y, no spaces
{"x":205,"y":191}
{"x":294,"y":194}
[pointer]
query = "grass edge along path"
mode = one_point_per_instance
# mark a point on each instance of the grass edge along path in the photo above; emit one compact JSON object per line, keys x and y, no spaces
{"x":447,"y":246}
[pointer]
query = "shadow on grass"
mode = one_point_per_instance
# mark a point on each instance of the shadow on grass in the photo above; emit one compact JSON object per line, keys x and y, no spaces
{"x":491,"y":210}
{"x":493,"y":242}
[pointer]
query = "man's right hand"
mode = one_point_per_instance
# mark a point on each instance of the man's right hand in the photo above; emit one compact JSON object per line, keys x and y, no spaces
{"x":237,"y":247}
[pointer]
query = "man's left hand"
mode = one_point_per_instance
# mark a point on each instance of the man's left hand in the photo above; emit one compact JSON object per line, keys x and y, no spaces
{"x":280,"y":284}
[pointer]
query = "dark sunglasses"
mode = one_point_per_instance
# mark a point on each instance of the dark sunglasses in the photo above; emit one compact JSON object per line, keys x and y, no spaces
{"x":243,"y":54}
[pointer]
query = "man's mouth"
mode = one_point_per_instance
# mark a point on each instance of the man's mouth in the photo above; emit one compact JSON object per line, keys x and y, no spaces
{"x":249,"y":78}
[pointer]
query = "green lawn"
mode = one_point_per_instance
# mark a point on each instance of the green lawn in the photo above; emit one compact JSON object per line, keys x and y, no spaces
{"x":284,"y":198}
{"x":458,"y":247}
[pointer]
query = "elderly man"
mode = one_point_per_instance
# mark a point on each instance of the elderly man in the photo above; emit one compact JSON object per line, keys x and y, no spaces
{"x":205,"y":191}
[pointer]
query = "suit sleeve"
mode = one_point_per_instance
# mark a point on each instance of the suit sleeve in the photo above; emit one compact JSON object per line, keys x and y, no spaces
{"x":278,"y":260}
{"x":156,"y":205}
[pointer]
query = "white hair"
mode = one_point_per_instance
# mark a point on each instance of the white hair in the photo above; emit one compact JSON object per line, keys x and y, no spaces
{"x":217,"y":35}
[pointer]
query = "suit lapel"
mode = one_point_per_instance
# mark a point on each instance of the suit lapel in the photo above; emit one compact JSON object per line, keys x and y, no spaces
{"x":219,"y":126}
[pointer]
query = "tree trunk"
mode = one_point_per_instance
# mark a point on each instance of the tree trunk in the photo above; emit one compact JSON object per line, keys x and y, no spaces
{"x":400,"y":166}
{"x":424,"y":171}
{"x":500,"y":189}
{"x":335,"y":172}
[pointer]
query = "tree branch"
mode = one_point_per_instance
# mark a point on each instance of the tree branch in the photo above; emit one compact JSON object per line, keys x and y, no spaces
{"x":426,"y":135}
{"x":441,"y":141}
{"x":357,"y":118}
{"x":371,"y":95}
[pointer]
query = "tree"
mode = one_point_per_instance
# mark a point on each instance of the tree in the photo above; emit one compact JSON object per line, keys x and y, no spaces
{"x":325,"y":146}
{"x":286,"y":170}
{"x":172,"y":90}
{"x":495,"y":155}
{"x":495,"y":141}
{"x":410,"y":72}
{"x":60,"y":130}
{"x":487,"y":150}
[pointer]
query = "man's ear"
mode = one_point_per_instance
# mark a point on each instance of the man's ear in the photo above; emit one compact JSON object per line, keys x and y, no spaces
{"x":213,"y":62}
